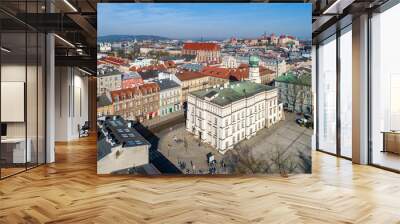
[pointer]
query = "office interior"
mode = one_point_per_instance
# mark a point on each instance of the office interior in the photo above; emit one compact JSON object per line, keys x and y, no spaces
{"x":48,"y":80}
{"x":357,"y":83}
{"x":46,"y":89}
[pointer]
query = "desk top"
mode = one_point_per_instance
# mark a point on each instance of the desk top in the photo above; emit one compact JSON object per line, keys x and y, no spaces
{"x":391,"y":132}
{"x":13,"y":140}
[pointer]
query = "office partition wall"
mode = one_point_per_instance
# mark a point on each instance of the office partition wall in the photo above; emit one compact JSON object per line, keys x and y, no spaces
{"x":22,"y":77}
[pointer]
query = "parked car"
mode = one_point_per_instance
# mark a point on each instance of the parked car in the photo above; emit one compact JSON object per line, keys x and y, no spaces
{"x":301,"y":121}
{"x":308,"y":123}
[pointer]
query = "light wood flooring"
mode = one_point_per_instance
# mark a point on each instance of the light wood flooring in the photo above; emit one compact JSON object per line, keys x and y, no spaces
{"x":69,"y":191}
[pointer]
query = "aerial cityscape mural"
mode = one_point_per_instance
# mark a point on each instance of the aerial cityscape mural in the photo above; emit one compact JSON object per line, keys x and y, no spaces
{"x":200,"y":89}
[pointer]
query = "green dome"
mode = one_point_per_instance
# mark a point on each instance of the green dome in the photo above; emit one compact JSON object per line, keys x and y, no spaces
{"x":253,"y":61}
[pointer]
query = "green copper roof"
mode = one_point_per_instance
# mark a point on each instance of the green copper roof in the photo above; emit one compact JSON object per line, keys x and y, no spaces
{"x":254,"y":60}
{"x":235,"y":91}
{"x":304,"y":79}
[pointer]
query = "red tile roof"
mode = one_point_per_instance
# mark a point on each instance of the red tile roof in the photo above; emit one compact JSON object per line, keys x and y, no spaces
{"x":216,"y":72}
{"x":242,"y":72}
{"x":115,"y":60}
{"x":265,"y":71}
{"x":128,"y":92}
{"x":159,"y":67}
{"x":151,"y":86}
{"x":201,"y":46}
{"x":140,"y":89}
{"x":186,"y":75}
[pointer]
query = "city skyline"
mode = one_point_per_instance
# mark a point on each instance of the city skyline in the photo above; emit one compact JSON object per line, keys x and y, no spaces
{"x":204,"y":21}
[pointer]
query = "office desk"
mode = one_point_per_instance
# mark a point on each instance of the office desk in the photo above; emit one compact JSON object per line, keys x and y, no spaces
{"x":391,"y":141}
{"x":16,"y":147}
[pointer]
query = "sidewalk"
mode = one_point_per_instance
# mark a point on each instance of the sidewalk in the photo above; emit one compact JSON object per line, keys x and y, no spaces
{"x":164,"y":119}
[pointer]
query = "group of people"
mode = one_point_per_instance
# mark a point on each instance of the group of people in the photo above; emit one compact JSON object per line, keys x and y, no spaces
{"x":214,"y":167}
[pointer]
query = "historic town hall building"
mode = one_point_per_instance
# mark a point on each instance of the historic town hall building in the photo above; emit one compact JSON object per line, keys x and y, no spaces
{"x":227,"y":114}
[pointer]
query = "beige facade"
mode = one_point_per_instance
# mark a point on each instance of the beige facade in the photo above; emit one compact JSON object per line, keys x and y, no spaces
{"x":141,"y":103}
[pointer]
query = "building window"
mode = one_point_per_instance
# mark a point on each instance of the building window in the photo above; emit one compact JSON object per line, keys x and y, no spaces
{"x":327,"y":95}
{"x":385,"y":89}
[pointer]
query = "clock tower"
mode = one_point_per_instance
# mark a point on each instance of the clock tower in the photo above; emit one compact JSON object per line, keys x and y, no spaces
{"x":254,"y":71}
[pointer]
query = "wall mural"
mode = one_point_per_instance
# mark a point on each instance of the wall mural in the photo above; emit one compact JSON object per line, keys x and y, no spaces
{"x":204,"y":89}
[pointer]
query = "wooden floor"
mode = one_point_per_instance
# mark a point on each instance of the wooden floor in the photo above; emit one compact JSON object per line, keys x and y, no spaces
{"x":69,"y":191}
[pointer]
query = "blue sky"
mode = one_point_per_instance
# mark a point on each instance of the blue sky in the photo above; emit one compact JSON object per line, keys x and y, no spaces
{"x":191,"y":20}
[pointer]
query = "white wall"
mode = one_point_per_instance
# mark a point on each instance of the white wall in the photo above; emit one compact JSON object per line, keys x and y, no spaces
{"x":71,"y":102}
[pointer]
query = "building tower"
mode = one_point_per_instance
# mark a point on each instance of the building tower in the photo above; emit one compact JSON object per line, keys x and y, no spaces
{"x":254,"y":71}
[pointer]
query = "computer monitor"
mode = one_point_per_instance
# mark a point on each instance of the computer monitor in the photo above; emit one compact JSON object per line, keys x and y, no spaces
{"x":3,"y":130}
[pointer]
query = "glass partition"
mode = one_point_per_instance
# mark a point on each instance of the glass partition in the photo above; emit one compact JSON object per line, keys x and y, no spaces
{"x":13,"y":94}
{"x":346,"y":92}
{"x":326,"y":131}
{"x":22,"y":88}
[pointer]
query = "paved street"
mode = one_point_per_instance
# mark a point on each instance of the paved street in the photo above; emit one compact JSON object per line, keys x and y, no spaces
{"x":286,"y":137}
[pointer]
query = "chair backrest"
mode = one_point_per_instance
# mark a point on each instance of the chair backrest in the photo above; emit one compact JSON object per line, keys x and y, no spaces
{"x":86,"y":125}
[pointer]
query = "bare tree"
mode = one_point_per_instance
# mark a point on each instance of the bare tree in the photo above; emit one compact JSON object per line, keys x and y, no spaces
{"x":305,"y":162}
{"x":242,"y":161}
{"x":283,"y":162}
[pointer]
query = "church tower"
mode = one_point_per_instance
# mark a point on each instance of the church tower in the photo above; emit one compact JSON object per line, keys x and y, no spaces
{"x":254,"y":71}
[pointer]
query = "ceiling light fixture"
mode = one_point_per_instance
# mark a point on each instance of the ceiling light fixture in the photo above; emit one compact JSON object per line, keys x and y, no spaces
{"x":64,"y":40}
{"x":337,"y":7}
{"x":86,"y":72}
{"x":70,"y":5}
{"x":5,"y":50}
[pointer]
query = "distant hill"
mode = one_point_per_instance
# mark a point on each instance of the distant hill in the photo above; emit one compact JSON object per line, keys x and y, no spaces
{"x":116,"y":38}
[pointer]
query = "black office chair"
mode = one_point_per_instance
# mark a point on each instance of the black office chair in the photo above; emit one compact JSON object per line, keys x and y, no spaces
{"x":84,"y":130}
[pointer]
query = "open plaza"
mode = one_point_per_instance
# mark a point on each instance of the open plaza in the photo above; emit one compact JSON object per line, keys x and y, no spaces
{"x":285,"y":139}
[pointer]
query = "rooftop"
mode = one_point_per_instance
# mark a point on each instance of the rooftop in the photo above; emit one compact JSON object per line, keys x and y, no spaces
{"x":192,"y":67}
{"x":146,"y":88}
{"x":235,"y":91}
{"x":303,"y":79}
{"x":107,"y":70}
{"x":201,"y":46}
{"x":117,"y":133}
{"x":130,"y":75}
{"x":149,"y":74}
{"x":216,"y":72}
{"x":167,"y":84}
{"x":186,"y":75}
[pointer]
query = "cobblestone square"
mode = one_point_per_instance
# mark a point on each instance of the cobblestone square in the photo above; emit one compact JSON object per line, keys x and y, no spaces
{"x":181,"y":147}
